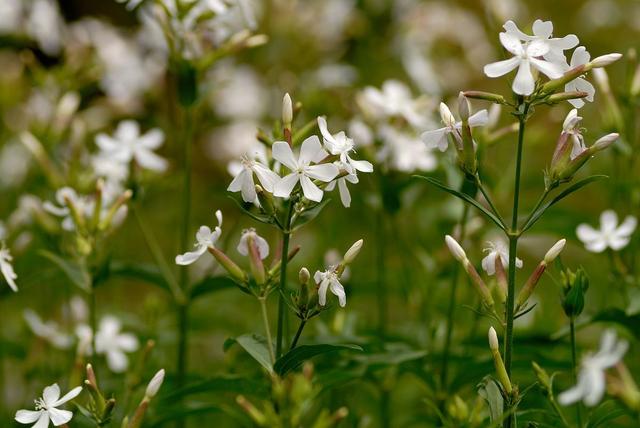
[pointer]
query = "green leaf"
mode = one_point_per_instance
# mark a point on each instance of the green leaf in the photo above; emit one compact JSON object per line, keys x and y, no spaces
{"x":392,"y":358}
{"x":262,"y":218}
{"x":292,"y":359}
{"x":257,"y":347}
{"x":196,"y":412}
{"x":144,"y":272}
{"x":309,"y":214}
{"x":605,"y":413}
{"x":211,"y":285}
{"x":74,"y":271}
{"x":566,"y":192}
{"x":490,"y":392}
{"x":230,"y":384}
{"x":465,"y":198}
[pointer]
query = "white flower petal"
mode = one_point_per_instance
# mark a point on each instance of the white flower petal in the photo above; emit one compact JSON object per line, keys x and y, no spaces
{"x":323,"y":172}
{"x":608,"y":221}
{"x":480,"y":118}
{"x":285,"y":185}
{"x":43,"y":421}
{"x":310,"y":190}
{"x":552,"y":70}
{"x":311,"y":150}
{"x":69,"y":396}
{"x":345,"y":196}
{"x":511,"y":43}
{"x":190,"y":256}
{"x":500,"y":68}
{"x":51,"y":394}
{"x":117,"y":361}
{"x":152,"y":139}
{"x":283,"y":154}
{"x":27,"y":416}
{"x":267,"y":178}
{"x":523,"y":84}
{"x":59,"y":417}
{"x":149,"y":160}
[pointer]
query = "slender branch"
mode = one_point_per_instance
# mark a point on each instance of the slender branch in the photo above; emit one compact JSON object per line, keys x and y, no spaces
{"x":267,"y":329}
{"x":574,"y":366}
{"x":298,"y":333}
{"x":485,"y":193}
{"x":286,"y":235}
{"x":513,"y":248}
{"x":452,"y":305}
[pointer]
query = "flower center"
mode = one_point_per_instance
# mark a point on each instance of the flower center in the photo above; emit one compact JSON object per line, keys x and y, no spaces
{"x":41,"y":404}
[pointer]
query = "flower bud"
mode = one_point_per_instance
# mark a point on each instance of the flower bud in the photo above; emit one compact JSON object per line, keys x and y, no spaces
{"x":303,"y":276}
{"x":487,"y":96}
{"x":604,"y":142}
{"x":501,"y":371}
{"x":155,"y":384}
{"x":255,"y":261}
{"x":455,"y":248}
{"x":232,"y":268}
{"x":575,"y":286}
{"x":553,"y":85}
{"x":463,"y":107}
{"x":446,"y":116}
{"x":530,"y":285}
{"x":554,"y":251}
{"x":352,"y":252}
{"x":543,"y":377}
{"x":287,"y":111}
{"x":604,"y":60}
{"x":566,"y":96}
{"x":265,"y":199}
{"x":493,"y":340}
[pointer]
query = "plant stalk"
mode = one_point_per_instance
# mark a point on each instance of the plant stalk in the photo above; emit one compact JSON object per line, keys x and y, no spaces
{"x":267,"y":329}
{"x":298,"y":333}
{"x":286,"y":235}
{"x":574,"y":367}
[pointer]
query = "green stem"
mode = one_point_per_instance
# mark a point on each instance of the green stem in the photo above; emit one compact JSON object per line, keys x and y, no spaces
{"x":558,"y":411}
{"x":286,"y":235}
{"x":485,"y":193}
{"x":267,"y":329}
{"x":452,"y":306}
{"x":513,"y":248}
{"x":381,"y":289}
{"x":93,"y":319}
{"x":298,"y":333}
{"x":574,"y":365}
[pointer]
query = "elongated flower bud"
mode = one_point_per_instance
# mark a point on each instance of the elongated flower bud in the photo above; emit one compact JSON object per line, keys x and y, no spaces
{"x":304,"y":275}
{"x":446,"y":116}
{"x":352,"y":252}
{"x":287,"y":111}
{"x":604,"y":142}
{"x":155,"y":384}
{"x":554,"y":251}
{"x":463,"y":107}
{"x":487,"y":96}
{"x":605,"y":60}
{"x":232,"y":268}
{"x":566,"y":96}
{"x":455,"y":248}
{"x":501,"y":371}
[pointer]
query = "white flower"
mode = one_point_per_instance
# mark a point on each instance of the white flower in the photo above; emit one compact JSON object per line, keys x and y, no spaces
{"x":591,"y":379}
{"x":394,"y":99}
{"x":62,"y":195}
{"x":341,"y":145}
{"x":610,"y":234}
{"x":49,"y":331}
{"x":497,"y":249}
{"x":260,"y":242}
{"x":243,"y":181}
{"x":112,"y":343}
{"x":405,"y":152}
{"x":543,"y":32}
{"x":205,"y":238}
{"x":301,"y":169}
{"x":438,"y":138}
{"x":46,"y":408}
{"x":571,"y":126}
{"x":328,"y":280}
{"x":345,"y":196}
{"x":6,"y":268}
{"x":128,"y":144}
{"x":526,"y":55}
{"x":579,"y":57}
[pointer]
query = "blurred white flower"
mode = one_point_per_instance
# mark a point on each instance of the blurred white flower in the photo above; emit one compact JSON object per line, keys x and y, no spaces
{"x":341,"y":145}
{"x":497,"y":249}
{"x":525,"y":56}
{"x":10,"y":14}
{"x":49,"y":331}
{"x":579,"y":57}
{"x":328,"y":280}
{"x":591,"y":384}
{"x":301,"y":169}
{"x":543,"y":32}
{"x":361,"y":133}
{"x":238,"y":93}
{"x":128,"y":144}
{"x":7,"y":268}
{"x":243,"y":181}
{"x":260,"y":242}
{"x":45,"y":25}
{"x":15,"y":160}
{"x":394,"y":99}
{"x":112,"y":343}
{"x":438,"y":137}
{"x":47,"y":408}
{"x":205,"y":238}
{"x":610,"y":235}
{"x":405,"y":152}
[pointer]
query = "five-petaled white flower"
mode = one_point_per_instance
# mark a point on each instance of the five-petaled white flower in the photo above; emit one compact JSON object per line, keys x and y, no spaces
{"x":497,"y":249}
{"x":301,"y":169}
{"x":128,"y":144}
{"x":261,"y":243}
{"x":46,"y":408}
{"x":543,"y":31}
{"x":591,"y":379}
{"x":112,"y":343}
{"x":328,"y":280}
{"x":526,"y":55}
{"x":579,"y":57}
{"x":205,"y":238}
{"x":341,"y":145}
{"x":610,"y":234}
{"x":438,"y":137}
{"x":7,"y":268}
{"x":243,"y":180}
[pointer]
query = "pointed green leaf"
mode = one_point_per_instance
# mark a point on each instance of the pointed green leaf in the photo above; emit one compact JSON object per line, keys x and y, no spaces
{"x":74,"y":271}
{"x":211,"y":285}
{"x":309,"y":214}
{"x":292,"y":359}
{"x":257,"y":347}
{"x":465,"y":198}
